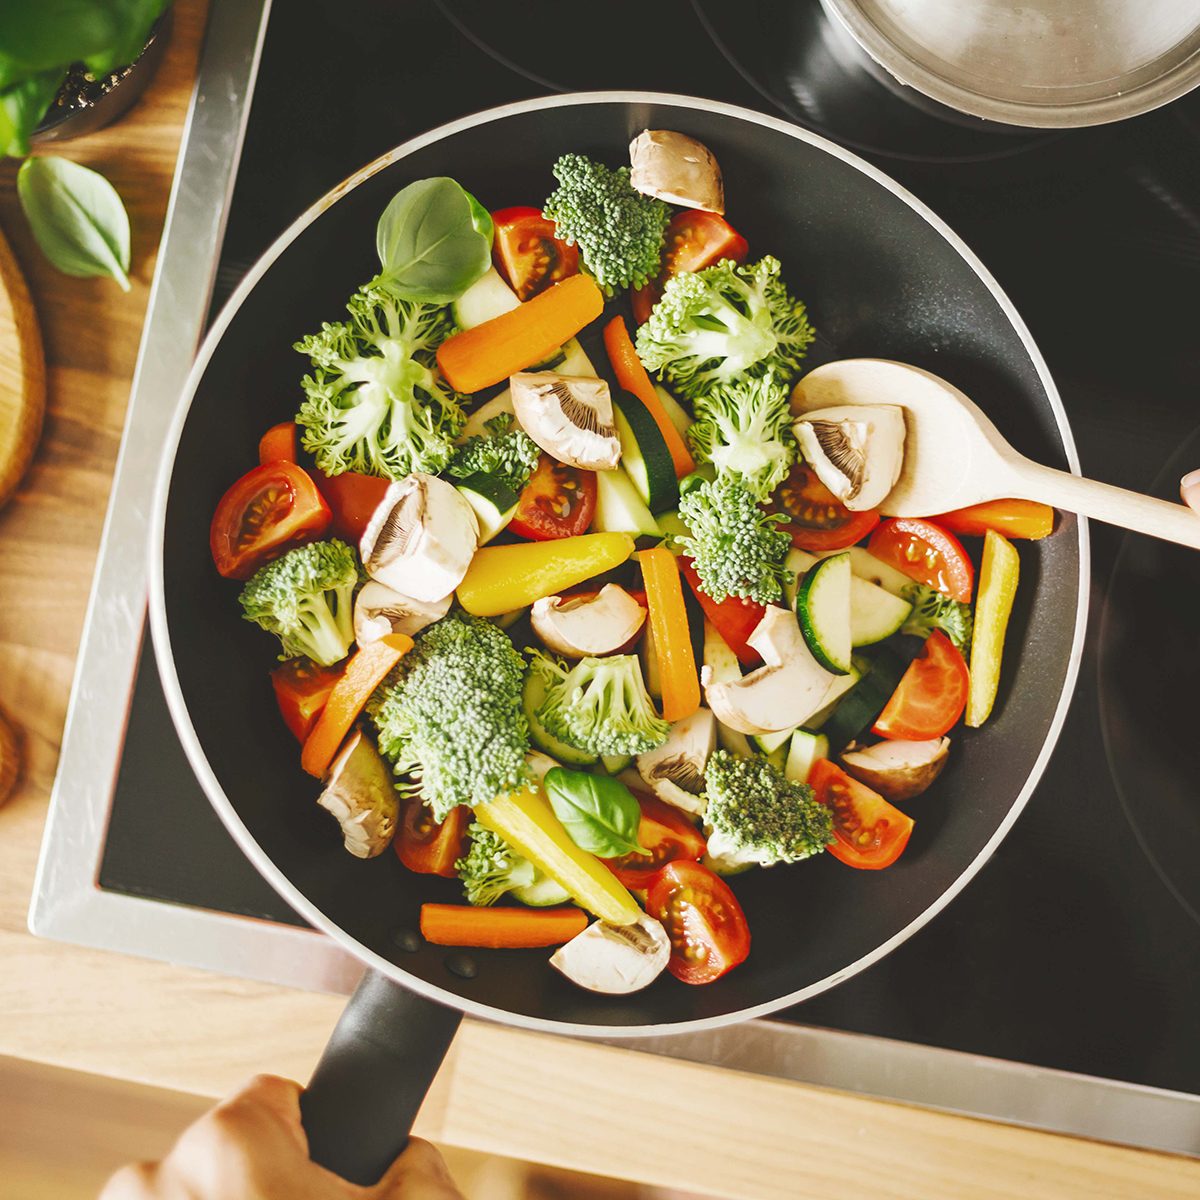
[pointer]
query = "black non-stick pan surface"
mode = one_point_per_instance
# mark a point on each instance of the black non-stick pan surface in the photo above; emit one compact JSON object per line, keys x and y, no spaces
{"x":881,"y":277}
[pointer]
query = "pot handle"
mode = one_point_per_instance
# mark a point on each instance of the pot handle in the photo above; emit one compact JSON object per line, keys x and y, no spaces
{"x":372,"y":1078}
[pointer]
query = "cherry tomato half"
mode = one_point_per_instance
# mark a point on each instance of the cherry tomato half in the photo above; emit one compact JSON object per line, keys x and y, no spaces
{"x":268,"y":511}
{"x":425,"y":846}
{"x":931,"y":694}
{"x":816,"y":519}
{"x":868,"y":832}
{"x":706,"y":925}
{"x":693,"y":240}
{"x":527,"y":253}
{"x":301,"y":689}
{"x":558,"y":501}
{"x":352,"y":499}
{"x":734,"y":618}
{"x":279,"y":443}
{"x":666,"y":833}
{"x":927,"y":553}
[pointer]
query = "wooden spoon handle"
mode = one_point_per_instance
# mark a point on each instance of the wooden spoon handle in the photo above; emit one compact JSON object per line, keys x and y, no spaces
{"x":1103,"y":502}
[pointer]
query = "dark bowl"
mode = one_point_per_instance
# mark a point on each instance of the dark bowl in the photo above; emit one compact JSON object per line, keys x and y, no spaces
{"x":882,"y":276}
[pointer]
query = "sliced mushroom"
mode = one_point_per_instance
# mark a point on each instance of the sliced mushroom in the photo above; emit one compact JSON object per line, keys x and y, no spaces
{"x":378,"y":611}
{"x":857,"y":450}
{"x":360,"y":792}
{"x":569,"y":416}
{"x":675,"y":771}
{"x":615,"y":959}
{"x":676,"y":168}
{"x":420,"y":540}
{"x":898,"y":770}
{"x":589,"y":625}
{"x":780,"y":695}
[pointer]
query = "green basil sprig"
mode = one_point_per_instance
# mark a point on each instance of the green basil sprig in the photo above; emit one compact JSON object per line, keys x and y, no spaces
{"x":600,"y":814}
{"x":434,"y":240}
{"x":76,"y":216}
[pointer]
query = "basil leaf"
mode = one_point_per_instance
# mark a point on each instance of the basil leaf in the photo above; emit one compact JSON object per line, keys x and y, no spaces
{"x":22,"y":106}
{"x":601,"y":814}
{"x":41,"y":34}
{"x":76,"y":216}
{"x":434,"y":240}
{"x":135,"y":19}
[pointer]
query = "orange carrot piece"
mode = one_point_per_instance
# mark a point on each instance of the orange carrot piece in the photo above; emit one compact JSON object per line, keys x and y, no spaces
{"x":500,"y":928}
{"x":631,"y":375}
{"x":672,"y":639}
{"x":279,"y":444}
{"x":364,"y":673}
{"x":489,"y":353}
{"x":1011,"y":518}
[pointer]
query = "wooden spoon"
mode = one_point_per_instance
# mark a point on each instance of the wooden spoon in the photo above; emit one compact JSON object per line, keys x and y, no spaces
{"x":955,"y":456}
{"x":22,"y":375}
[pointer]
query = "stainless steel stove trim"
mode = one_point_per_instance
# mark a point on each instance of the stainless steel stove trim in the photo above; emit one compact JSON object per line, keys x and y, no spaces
{"x":640,"y":102}
{"x":67,"y":904}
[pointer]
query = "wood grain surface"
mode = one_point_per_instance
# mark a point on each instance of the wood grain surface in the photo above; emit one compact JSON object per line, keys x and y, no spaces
{"x":22,"y":374}
{"x":544,"y":1099}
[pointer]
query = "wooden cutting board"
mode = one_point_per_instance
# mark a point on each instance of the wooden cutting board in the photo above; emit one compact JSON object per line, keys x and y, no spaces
{"x":22,"y":374}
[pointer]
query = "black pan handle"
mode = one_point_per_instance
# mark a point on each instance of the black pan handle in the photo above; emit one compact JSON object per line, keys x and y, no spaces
{"x":372,"y":1078}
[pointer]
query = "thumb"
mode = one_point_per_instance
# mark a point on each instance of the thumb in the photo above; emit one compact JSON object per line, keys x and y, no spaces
{"x":1189,"y":489}
{"x":420,"y":1173}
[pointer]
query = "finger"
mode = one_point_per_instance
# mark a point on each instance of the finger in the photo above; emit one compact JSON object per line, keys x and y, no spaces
{"x":420,"y":1173}
{"x":266,"y":1101}
{"x":135,"y":1182}
{"x":1189,"y":489}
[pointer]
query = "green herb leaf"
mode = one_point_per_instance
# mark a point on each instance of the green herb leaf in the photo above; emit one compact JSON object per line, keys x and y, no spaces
{"x":134,"y":19}
{"x":22,"y":106}
{"x":600,"y":814}
{"x":434,"y":240}
{"x":77,"y":218}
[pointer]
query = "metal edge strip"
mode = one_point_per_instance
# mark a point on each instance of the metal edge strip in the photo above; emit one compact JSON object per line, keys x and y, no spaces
{"x":162,"y":642}
{"x":93,"y":733}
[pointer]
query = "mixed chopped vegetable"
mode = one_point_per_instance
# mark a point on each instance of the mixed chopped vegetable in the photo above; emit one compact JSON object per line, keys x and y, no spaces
{"x":605,"y":617}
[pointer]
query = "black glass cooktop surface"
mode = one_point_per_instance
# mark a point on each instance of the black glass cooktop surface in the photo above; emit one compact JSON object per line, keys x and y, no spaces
{"x":1077,"y":946}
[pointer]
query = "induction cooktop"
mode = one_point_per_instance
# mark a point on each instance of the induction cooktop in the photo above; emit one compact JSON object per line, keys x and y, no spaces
{"x":1076,"y":950}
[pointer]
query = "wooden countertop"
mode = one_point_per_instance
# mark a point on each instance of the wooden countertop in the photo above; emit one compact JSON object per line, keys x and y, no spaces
{"x":202,"y":1033}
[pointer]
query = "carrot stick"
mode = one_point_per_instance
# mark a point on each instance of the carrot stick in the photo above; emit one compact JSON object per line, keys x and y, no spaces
{"x":631,"y":375}
{"x":672,"y":640}
{"x":476,"y":358}
{"x":364,"y":673}
{"x":500,"y":928}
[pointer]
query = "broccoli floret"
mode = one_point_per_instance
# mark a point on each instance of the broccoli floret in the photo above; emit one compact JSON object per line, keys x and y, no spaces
{"x":933,"y":610}
{"x":757,"y":815}
{"x":618,"y":230}
{"x":375,"y":402}
{"x":449,"y":718}
{"x":599,"y":705}
{"x":491,"y":868}
{"x":745,"y":429}
{"x":306,"y":598}
{"x":507,"y":454}
{"x":736,"y":548}
{"x":719,"y":324}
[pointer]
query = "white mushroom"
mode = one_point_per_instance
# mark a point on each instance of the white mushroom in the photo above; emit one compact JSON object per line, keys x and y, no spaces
{"x":360,"y":792}
{"x":420,"y":540}
{"x":675,"y":771}
{"x":780,"y":695}
{"x":676,"y":168}
{"x":569,"y":416}
{"x":586,"y":626}
{"x":898,"y":770}
{"x":615,"y":959}
{"x":857,"y":450}
{"x":378,"y":611}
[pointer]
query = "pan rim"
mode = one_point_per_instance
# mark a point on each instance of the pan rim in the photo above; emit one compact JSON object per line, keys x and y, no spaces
{"x":178,"y":708}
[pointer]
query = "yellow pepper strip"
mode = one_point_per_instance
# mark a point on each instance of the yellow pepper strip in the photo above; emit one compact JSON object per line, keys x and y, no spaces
{"x":501,"y":578}
{"x":997,"y":586}
{"x":527,"y":823}
{"x":672,"y":639}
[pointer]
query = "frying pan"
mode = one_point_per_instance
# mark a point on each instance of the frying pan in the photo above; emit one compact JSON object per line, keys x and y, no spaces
{"x":882,"y":276}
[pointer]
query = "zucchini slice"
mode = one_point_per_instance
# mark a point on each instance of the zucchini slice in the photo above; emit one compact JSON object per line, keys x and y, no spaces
{"x":805,"y":749}
{"x":619,"y":508}
{"x":644,"y":453}
{"x":875,"y":613}
{"x":492,"y":501}
{"x":823,"y":610}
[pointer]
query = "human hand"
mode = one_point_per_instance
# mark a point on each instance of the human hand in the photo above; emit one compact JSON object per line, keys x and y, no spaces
{"x":252,"y":1147}
{"x":1189,"y":489}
